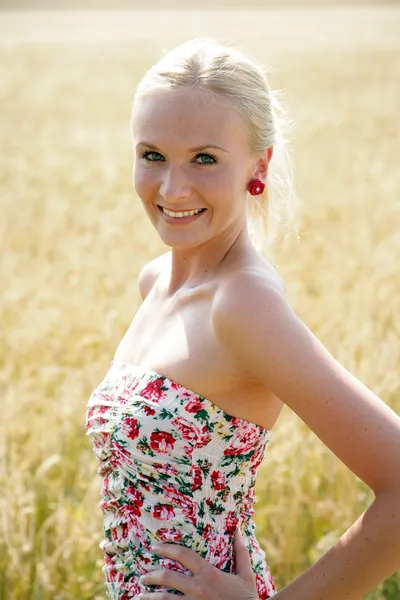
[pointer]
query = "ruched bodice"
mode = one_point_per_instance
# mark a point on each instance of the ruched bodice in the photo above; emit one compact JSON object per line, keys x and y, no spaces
{"x":176,"y":468}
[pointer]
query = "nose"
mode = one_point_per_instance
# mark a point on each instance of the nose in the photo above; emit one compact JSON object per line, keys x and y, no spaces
{"x":174,"y":185}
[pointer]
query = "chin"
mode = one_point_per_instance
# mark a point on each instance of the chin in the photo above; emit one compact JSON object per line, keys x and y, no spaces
{"x":180,"y":241}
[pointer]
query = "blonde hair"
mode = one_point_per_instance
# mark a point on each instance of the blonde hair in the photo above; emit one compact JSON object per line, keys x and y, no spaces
{"x":229,"y":75}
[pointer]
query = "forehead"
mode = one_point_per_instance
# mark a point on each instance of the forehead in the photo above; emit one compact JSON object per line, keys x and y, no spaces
{"x":187,"y":116}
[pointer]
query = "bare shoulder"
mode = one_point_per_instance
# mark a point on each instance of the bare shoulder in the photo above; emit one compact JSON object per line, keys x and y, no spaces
{"x":256,"y":325}
{"x":241,"y":291}
{"x":150,"y":272}
{"x":247,"y":306}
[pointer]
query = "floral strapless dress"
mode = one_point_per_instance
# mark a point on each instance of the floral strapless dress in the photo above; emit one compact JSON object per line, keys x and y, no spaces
{"x":175,"y":468}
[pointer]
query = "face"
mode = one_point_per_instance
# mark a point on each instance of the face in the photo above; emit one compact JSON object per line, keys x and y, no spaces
{"x":191,"y":153}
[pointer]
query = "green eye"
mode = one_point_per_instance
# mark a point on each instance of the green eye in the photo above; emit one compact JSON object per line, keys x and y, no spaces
{"x":146,"y":156}
{"x":210,"y":159}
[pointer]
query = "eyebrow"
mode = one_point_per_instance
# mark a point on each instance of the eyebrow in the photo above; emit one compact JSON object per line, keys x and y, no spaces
{"x":196,"y":149}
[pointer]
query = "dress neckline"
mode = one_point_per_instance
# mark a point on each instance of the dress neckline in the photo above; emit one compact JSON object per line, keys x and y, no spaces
{"x":136,"y":367}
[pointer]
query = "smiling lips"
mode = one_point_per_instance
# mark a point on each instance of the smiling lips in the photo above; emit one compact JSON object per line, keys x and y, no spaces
{"x":181,"y":214}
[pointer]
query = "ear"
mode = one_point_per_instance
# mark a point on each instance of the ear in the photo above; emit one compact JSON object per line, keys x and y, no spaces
{"x":262,"y":164}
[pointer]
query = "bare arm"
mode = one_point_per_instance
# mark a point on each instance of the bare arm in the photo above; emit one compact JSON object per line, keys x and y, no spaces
{"x":255,"y":322}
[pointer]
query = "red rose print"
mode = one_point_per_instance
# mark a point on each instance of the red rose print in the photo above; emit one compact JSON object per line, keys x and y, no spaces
{"x":169,"y":535}
{"x":132,"y":591}
{"x":134,"y":495}
{"x":146,"y":561}
{"x":264,"y":587}
{"x":120,"y":453}
{"x":104,"y":469}
{"x":218,"y":554}
{"x":204,"y":440}
{"x":164,"y":512}
{"x":131,"y":510}
{"x":162,"y":441}
{"x":114,"y":534}
{"x":145,"y":486}
{"x":245,"y":442}
{"x":113,"y":574}
{"x":193,"y":406}
{"x":191,"y":515}
{"x":248,"y":503}
{"x":207,"y":532}
{"x":231,"y":522}
{"x":218,"y":480}
{"x":154,"y":390}
{"x":128,"y":514}
{"x":210,"y":503}
{"x":125,"y":394}
{"x":109,"y":505}
{"x":106,"y":483}
{"x":188,"y":430}
{"x":108,"y":559}
{"x":257,"y":458}
{"x":180,"y":500}
{"x":167,"y":563}
{"x":121,"y":532}
{"x":166,"y":469}
{"x":197,"y":478}
{"x":271,"y":582}
{"x":131,"y":428}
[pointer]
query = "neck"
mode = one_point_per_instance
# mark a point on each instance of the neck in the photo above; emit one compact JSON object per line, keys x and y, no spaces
{"x":192,"y":267}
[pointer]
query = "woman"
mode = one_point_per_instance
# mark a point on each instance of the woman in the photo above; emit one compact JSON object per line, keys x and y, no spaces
{"x":183,"y":417}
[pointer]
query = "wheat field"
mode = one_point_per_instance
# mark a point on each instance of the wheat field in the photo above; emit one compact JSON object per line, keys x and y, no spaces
{"x":74,"y":237}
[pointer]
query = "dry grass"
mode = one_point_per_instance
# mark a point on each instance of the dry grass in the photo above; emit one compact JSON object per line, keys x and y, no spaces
{"x":182,"y":4}
{"x":73,"y":238}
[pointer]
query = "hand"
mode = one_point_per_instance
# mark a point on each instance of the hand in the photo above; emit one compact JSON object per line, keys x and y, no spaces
{"x":207,"y":582}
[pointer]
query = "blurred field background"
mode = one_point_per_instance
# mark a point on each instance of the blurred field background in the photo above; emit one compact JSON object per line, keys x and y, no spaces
{"x":73,"y":238}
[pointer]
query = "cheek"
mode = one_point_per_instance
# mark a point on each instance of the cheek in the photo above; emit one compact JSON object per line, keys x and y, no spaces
{"x":213,"y":179}
{"x":217,"y":183}
{"x":143,"y":180}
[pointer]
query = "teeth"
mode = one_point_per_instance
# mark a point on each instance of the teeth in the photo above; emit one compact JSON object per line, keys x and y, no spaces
{"x":178,"y":215}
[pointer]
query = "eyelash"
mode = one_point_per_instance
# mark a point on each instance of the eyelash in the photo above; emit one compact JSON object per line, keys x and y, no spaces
{"x":146,"y":154}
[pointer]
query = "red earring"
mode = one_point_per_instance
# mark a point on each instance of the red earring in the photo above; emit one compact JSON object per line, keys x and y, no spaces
{"x":256,"y":187}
